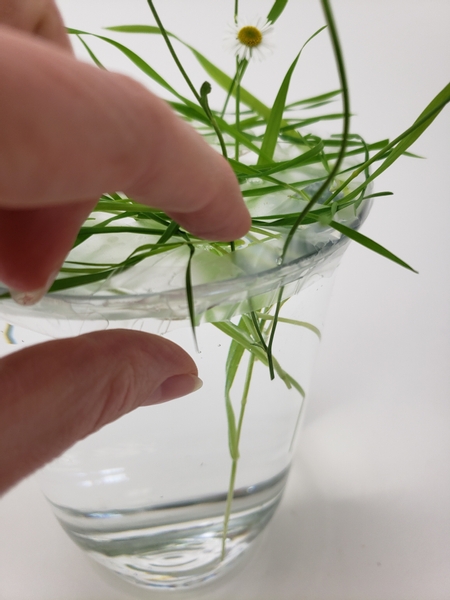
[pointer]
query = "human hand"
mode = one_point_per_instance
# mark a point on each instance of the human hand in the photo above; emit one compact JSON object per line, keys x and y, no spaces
{"x":69,"y":133}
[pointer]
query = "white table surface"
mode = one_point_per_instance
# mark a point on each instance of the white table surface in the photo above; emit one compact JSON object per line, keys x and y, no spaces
{"x":366,"y":515}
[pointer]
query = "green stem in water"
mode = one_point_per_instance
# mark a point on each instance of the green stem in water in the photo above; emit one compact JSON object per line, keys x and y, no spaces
{"x":267,"y":350}
{"x":275,"y":322}
{"x":226,"y":520}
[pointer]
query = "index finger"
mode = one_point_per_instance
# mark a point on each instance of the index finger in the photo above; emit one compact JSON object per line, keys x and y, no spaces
{"x":71,"y":132}
{"x":37,"y":17}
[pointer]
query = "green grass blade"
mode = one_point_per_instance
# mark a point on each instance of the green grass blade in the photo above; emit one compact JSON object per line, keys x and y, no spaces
{"x":225,"y":82}
{"x":91,"y":54}
{"x":295,"y":162}
{"x":304,"y":324}
{"x":192,"y":113}
{"x":399,"y":145}
{"x":421,"y":124}
{"x":255,"y":328}
{"x":232,"y":364}
{"x":238,"y":334}
{"x":234,"y":463}
{"x":171,"y":230}
{"x":71,"y":282}
{"x":276,"y":114}
{"x":276,"y":10}
{"x":234,"y":358}
{"x":136,"y":29}
{"x":239,"y":136}
{"x":311,"y":121}
{"x":190,"y":295}
{"x":138,"y":62}
{"x":242,"y":337}
{"x":368,"y":243}
{"x":171,"y":49}
{"x":287,"y":379}
{"x":320,"y":99}
{"x":242,"y":170}
{"x":216,"y":74}
{"x":345,"y":129}
{"x":98,"y":229}
{"x":232,"y":429}
{"x":224,"y":126}
{"x":271,"y":189}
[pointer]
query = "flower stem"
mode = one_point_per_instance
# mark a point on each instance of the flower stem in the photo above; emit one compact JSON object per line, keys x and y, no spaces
{"x":201,"y":98}
{"x":204,"y":91}
{"x":238,"y":110}
{"x":172,"y":51}
{"x":345,"y":125}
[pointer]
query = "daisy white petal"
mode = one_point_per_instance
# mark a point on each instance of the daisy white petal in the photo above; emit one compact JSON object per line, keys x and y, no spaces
{"x":251,"y":39}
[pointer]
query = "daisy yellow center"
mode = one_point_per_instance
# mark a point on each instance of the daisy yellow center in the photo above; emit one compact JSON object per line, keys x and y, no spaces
{"x":250,"y":36}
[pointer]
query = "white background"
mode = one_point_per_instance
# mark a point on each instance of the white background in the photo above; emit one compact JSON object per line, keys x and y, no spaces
{"x":366,"y":515}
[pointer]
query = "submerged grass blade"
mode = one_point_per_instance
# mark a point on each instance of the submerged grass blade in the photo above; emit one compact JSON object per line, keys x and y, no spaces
{"x":190,"y":295}
{"x":241,"y":336}
{"x":257,"y":332}
{"x":234,"y":463}
{"x":304,"y":324}
{"x":234,"y":358}
{"x":288,"y":380}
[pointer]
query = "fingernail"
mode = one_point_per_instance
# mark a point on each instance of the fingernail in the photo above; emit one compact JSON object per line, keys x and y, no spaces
{"x":33,"y":297}
{"x":175,"y":387}
{"x":28,"y":298}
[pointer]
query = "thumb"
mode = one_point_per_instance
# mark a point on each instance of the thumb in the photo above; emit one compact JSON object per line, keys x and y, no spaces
{"x":57,"y":393}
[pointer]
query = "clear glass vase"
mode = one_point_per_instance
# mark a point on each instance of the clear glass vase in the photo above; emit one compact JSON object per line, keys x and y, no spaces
{"x":172,"y":495}
{"x":149,"y":495}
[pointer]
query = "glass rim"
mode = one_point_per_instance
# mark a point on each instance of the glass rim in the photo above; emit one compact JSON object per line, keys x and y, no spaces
{"x":172,"y":304}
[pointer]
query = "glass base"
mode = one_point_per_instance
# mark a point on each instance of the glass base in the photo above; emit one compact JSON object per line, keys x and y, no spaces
{"x":177,"y":546}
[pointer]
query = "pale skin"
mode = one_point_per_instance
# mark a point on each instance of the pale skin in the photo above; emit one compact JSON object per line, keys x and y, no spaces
{"x":61,"y":146}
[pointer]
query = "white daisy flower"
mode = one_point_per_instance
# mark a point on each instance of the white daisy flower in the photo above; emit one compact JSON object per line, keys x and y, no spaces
{"x":251,"y":39}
